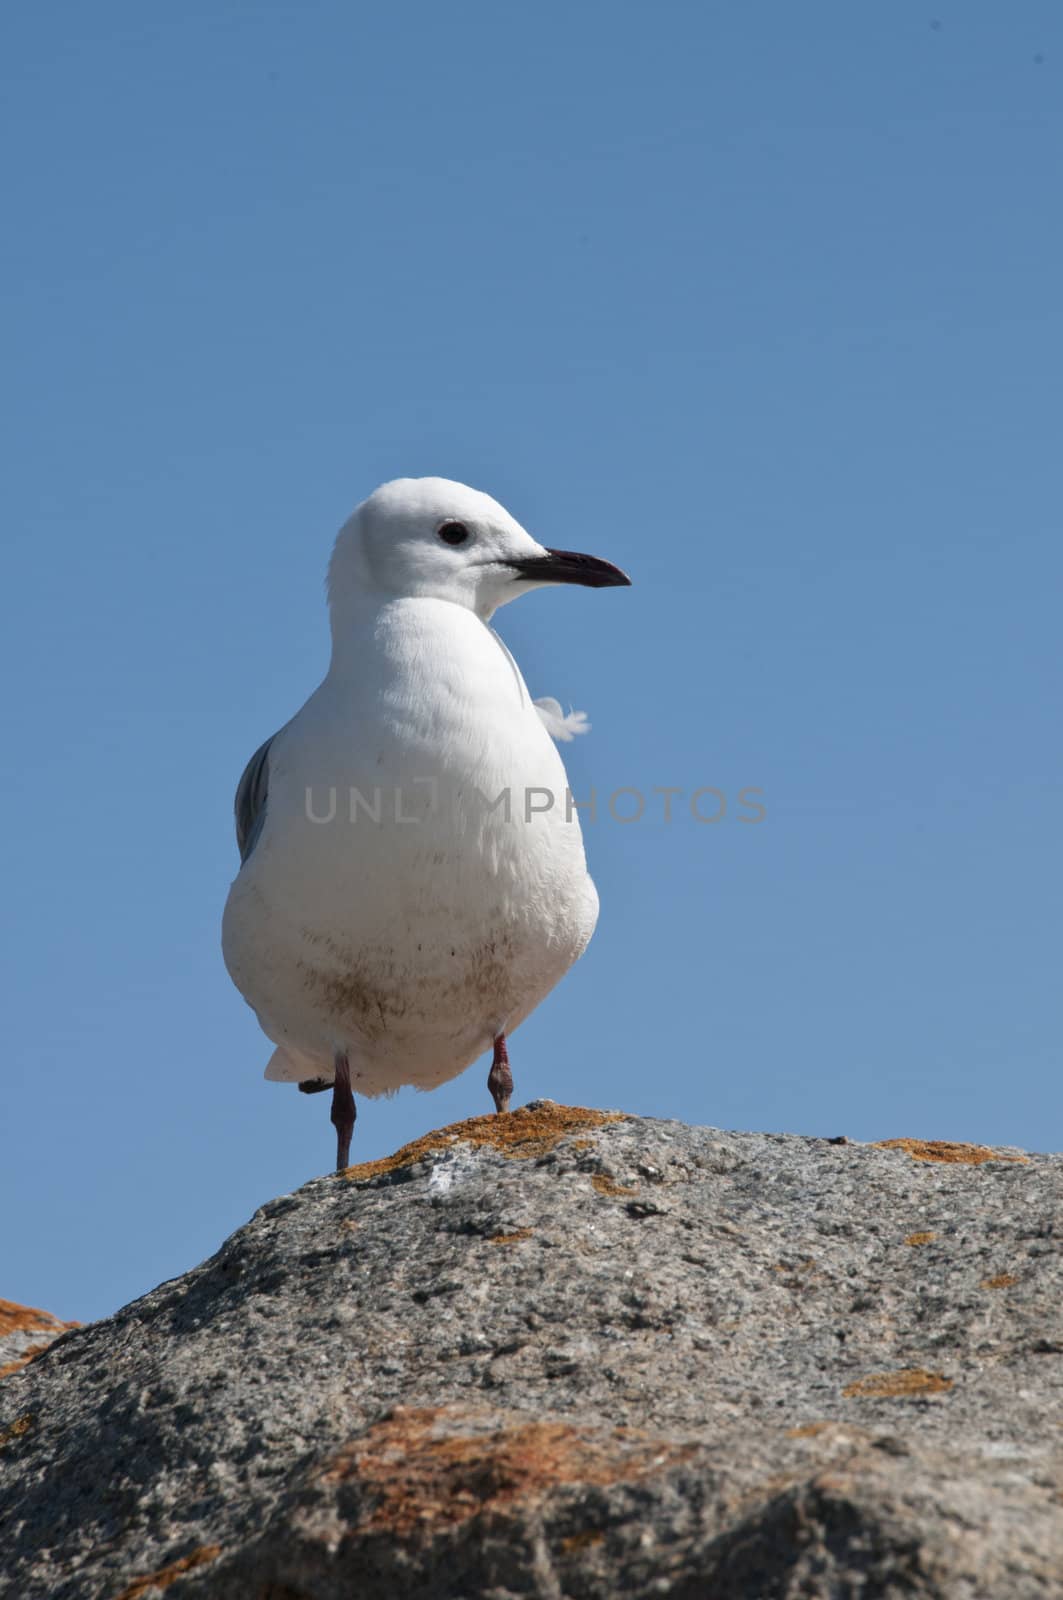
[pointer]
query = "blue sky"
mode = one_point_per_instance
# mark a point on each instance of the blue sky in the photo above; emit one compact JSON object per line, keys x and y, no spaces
{"x":761,"y":302}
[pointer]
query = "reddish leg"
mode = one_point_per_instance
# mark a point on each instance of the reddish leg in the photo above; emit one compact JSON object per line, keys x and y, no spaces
{"x":500,"y":1079}
{"x":343,"y":1112}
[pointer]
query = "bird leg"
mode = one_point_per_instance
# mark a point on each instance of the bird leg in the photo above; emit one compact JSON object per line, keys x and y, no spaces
{"x":500,"y":1079}
{"x":343,"y":1110}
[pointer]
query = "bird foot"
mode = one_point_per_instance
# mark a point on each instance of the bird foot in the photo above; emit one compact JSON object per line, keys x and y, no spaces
{"x":500,"y":1078}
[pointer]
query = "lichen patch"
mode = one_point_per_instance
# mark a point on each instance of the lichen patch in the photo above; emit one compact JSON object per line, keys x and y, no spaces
{"x":17,"y":1325}
{"x":433,"y":1468}
{"x":511,"y":1238}
{"x":27,"y":1319}
{"x":167,"y":1575}
{"x":919,"y":1238}
{"x":897,"y":1385}
{"x":971,"y":1155}
{"x":608,"y":1186}
{"x":527,"y":1132}
{"x":16,"y":1429}
{"x":1003,"y":1280}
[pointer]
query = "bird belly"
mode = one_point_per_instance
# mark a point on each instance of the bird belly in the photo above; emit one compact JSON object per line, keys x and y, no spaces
{"x":407,"y":946}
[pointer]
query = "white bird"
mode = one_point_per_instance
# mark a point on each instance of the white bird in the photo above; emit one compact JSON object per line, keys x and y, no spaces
{"x":412,"y":878}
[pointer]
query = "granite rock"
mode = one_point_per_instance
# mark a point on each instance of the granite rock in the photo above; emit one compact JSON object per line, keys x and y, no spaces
{"x":573,"y":1355}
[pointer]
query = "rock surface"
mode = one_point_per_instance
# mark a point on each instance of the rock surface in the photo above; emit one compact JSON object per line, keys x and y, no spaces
{"x":563,"y":1354}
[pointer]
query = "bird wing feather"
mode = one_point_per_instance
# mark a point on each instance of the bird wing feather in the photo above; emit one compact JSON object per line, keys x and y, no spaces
{"x":251,"y":795}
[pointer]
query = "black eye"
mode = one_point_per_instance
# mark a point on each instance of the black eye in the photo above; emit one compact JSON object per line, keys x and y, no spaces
{"x":453,"y":533}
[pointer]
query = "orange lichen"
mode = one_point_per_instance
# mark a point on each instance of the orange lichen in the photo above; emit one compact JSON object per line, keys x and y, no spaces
{"x":167,"y":1575}
{"x":524,"y":1133}
{"x":807,"y":1430}
{"x":971,"y":1155}
{"x":424,"y":1475}
{"x":27,"y":1319}
{"x":16,"y":1429}
{"x":511,"y":1238}
{"x":920,"y":1238}
{"x":1003,"y":1280}
{"x":607,"y":1186}
{"x":893,"y":1385}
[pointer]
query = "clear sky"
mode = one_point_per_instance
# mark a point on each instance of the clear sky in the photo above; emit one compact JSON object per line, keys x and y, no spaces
{"x":761,"y":301}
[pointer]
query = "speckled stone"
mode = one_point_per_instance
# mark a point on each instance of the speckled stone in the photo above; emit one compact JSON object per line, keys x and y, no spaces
{"x":573,"y":1357}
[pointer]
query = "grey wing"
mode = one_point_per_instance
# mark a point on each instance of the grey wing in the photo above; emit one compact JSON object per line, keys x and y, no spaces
{"x":251,"y":794}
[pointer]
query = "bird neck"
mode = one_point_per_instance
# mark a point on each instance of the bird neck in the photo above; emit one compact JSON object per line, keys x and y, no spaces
{"x":392,"y":626}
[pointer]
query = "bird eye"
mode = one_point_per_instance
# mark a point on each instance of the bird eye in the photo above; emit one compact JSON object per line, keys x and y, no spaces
{"x":453,"y":533}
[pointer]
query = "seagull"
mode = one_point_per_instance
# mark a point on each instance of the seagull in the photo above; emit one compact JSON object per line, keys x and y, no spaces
{"x":412,"y":877}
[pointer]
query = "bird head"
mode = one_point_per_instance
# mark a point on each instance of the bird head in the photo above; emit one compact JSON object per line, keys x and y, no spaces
{"x":431,"y":538}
